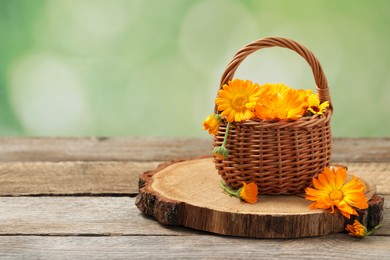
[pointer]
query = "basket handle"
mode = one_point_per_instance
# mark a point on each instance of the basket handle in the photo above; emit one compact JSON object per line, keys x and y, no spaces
{"x":319,"y":76}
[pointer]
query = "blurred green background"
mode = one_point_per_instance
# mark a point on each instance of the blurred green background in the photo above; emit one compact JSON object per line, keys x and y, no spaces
{"x":152,"y":68}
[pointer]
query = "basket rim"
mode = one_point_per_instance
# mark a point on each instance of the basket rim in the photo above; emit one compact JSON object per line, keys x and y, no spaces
{"x":318,"y":73}
{"x":304,"y":122}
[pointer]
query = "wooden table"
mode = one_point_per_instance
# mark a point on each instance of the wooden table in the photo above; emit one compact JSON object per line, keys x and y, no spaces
{"x":74,"y":197}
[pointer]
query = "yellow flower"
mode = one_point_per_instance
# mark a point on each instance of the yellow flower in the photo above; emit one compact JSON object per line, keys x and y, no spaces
{"x":357,"y":229}
{"x":248,"y":192}
{"x":331,"y":189}
{"x":314,"y":106}
{"x":212,"y":123}
{"x":237,"y":100}
{"x":278,"y":101}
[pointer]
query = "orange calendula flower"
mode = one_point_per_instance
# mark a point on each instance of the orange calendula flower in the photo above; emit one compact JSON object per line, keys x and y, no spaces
{"x":248,"y":192}
{"x":357,"y":229}
{"x":360,"y":231}
{"x":211,"y":123}
{"x":331,"y":189}
{"x":277,"y":101}
{"x":237,"y":100}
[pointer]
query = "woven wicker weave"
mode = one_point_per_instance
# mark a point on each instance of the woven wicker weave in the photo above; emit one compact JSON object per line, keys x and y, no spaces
{"x":280,"y":156}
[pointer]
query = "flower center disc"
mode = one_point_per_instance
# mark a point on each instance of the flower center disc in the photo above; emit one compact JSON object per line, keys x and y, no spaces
{"x":336,"y":195}
{"x":239,"y":101}
{"x":316,"y":109}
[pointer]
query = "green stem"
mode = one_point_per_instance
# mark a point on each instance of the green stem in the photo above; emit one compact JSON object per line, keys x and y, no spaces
{"x":374,"y":229}
{"x":226,"y":134}
{"x":232,"y":193}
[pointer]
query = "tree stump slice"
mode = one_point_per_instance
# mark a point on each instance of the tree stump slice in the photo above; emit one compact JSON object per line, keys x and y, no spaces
{"x":188,"y":193}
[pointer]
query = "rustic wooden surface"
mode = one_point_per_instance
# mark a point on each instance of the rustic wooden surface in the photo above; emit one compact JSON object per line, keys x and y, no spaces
{"x":64,"y":198}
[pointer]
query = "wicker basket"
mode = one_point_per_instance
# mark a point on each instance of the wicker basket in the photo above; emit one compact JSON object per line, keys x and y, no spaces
{"x":280,"y":156}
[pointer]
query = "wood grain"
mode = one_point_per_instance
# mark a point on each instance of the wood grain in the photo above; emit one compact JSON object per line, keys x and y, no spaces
{"x":112,"y":177}
{"x":77,"y":216}
{"x":361,"y":150}
{"x":99,"y":216}
{"x":160,"y":149}
{"x":53,"y":166}
{"x":102,"y":149}
{"x":70,"y":178}
{"x":339,"y":246}
{"x":377,"y":174}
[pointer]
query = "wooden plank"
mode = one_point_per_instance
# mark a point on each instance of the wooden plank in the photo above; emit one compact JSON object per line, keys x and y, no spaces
{"x":377,"y":174}
{"x":77,"y":215}
{"x":160,"y":149}
{"x":90,"y":216}
{"x":361,"y":150}
{"x":102,"y":149}
{"x":338,"y":246}
{"x":37,"y":178}
{"x":69,"y":178}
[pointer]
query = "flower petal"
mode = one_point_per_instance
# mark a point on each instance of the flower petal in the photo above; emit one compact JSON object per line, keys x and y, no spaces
{"x":341,"y":176}
{"x":249,"y":192}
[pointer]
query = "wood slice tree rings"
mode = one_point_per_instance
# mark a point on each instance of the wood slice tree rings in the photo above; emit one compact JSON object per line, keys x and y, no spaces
{"x":188,"y":193}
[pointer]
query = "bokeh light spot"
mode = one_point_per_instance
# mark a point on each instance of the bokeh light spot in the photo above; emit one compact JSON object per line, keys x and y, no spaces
{"x":48,"y":97}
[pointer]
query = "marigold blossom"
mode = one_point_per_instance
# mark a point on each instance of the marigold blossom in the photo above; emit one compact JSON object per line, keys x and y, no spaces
{"x":357,"y":229}
{"x":360,"y":231}
{"x":211,"y":123}
{"x":331,"y":189}
{"x":248,"y":192}
{"x":277,"y":101}
{"x":237,"y":100}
